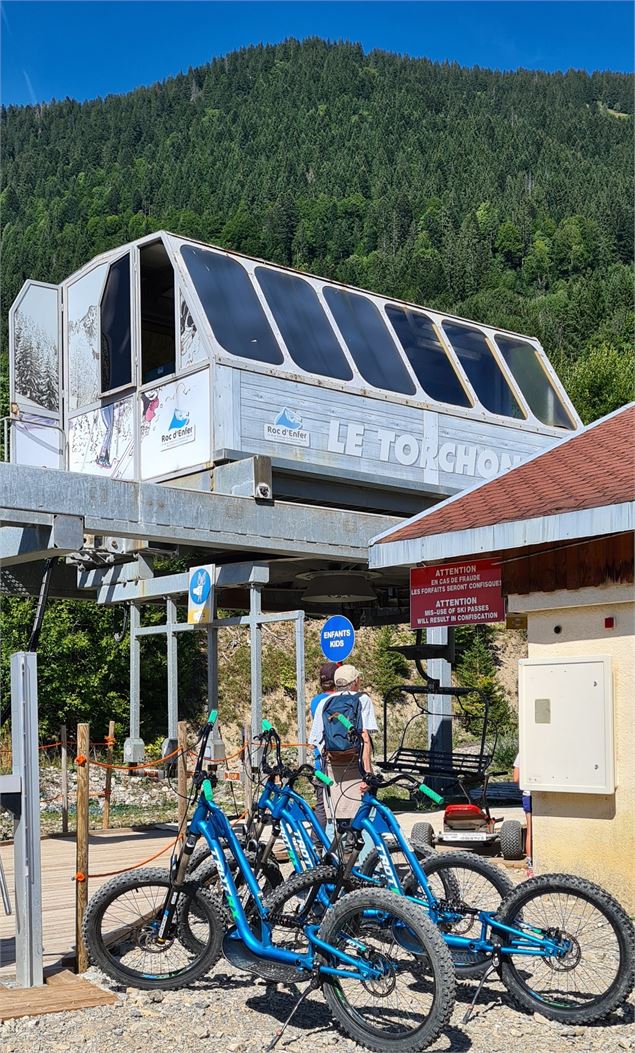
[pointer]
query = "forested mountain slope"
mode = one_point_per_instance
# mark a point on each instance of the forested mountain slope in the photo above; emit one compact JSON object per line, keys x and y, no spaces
{"x":505,"y":197}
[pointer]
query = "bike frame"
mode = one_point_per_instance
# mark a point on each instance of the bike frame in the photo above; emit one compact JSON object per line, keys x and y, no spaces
{"x":210,"y":822}
{"x":374,"y":818}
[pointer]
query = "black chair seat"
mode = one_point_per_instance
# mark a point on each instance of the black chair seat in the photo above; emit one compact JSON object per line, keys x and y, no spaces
{"x":426,"y":762}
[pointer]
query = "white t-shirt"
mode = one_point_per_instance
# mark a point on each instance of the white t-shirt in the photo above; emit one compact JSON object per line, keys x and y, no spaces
{"x":517,"y":765}
{"x":369,"y":721}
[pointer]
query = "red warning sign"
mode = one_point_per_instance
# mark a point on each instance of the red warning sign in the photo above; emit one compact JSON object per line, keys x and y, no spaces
{"x":456,"y":594}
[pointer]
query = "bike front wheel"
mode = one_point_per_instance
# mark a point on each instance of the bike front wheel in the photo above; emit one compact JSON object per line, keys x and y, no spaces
{"x":595,"y":969}
{"x":410,"y":1002}
{"x":121,"y":931}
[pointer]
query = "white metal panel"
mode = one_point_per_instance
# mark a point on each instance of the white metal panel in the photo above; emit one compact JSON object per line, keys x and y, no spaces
{"x":101,"y":441}
{"x":346,"y":432}
{"x":566,"y":724}
{"x":175,"y":425}
{"x":36,"y":441}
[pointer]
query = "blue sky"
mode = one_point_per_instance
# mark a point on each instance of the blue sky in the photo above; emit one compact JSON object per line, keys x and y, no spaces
{"x":87,"y":48}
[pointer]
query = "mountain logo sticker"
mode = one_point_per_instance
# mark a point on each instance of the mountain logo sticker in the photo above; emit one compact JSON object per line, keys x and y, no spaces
{"x":180,"y":431}
{"x":289,"y":419}
{"x":287,"y":427}
{"x":180,"y":418}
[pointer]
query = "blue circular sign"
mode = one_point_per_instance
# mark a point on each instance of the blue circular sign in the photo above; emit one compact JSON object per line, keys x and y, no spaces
{"x":337,"y":638}
{"x":200,"y":586}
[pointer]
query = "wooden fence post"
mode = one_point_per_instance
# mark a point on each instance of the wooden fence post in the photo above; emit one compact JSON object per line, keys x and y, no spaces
{"x":64,"y":760}
{"x":81,"y":859}
{"x":181,"y":767}
{"x":107,"y":789}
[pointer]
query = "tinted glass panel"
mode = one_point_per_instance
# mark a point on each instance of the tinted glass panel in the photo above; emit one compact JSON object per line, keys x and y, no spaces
{"x":116,"y":364}
{"x":369,"y":341}
{"x":482,"y":370}
{"x":231,"y":305}
{"x":158,"y":343}
{"x":522,"y":359}
{"x":427,"y":356}
{"x":304,"y":326}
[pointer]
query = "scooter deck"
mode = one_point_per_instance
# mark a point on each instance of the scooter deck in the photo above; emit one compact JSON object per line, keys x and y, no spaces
{"x":238,"y":955}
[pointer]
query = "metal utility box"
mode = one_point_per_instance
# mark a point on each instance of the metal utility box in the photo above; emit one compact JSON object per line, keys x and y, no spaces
{"x":566,"y":724}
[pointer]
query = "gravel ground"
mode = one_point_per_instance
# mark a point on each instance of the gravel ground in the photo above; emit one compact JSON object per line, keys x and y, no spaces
{"x":232,"y":1013}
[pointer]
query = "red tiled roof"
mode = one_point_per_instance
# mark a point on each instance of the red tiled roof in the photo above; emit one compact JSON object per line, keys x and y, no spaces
{"x":596,"y":467}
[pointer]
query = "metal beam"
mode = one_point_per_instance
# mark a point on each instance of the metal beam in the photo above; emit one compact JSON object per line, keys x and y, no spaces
{"x":128,"y":586}
{"x":27,"y":544}
{"x":156,"y":512}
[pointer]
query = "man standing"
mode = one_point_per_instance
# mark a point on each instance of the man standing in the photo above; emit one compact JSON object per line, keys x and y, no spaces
{"x":327,"y":736}
{"x":327,"y":687}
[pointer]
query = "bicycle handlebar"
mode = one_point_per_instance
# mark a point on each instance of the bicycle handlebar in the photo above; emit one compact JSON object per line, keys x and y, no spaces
{"x":270,"y":735}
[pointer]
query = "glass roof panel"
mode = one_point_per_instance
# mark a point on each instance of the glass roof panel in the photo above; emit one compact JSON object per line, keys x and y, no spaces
{"x":232,"y":307}
{"x":535,"y":384}
{"x":427,"y":356}
{"x":482,"y":369}
{"x":368,"y":340}
{"x":302,"y":321}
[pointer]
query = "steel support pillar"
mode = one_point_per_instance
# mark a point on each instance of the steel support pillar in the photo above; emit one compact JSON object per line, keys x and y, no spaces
{"x":440,"y":723}
{"x":255,"y":644}
{"x":173,"y":671}
{"x":133,"y":750}
{"x":300,"y":682}
{"x":28,"y":866}
{"x":212,"y":661}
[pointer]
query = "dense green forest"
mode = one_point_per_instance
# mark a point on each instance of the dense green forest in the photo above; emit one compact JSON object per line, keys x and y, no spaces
{"x":506,"y":197}
{"x":503,"y":197}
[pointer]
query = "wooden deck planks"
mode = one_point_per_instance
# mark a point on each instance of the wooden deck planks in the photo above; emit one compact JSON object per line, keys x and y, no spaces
{"x":109,"y":850}
{"x":62,"y":991}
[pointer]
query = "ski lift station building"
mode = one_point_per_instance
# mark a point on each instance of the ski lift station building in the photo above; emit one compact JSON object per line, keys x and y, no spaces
{"x":165,"y":358}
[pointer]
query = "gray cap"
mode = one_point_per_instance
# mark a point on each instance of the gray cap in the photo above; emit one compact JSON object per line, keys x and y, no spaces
{"x":345,"y":675}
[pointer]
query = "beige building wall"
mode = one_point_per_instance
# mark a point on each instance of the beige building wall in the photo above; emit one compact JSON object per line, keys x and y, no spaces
{"x":592,"y":835}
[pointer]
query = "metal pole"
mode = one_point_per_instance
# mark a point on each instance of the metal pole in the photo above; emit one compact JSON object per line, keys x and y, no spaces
{"x":248,"y":790}
{"x":26,"y":845}
{"x":300,"y":685}
{"x":212,"y":662}
{"x":64,"y":762}
{"x":181,"y":767}
{"x":173,"y":671}
{"x":133,"y":749}
{"x":440,"y":722}
{"x":81,"y":855}
{"x":255,"y":642}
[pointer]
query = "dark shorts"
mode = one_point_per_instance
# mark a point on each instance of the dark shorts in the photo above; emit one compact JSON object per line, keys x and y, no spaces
{"x":527,"y":802}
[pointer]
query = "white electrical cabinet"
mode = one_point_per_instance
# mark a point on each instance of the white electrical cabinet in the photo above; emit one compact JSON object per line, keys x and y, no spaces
{"x":566,"y":724}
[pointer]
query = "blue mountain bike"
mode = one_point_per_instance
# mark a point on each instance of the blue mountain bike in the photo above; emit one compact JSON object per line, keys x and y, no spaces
{"x":383,"y":967}
{"x":459,"y":878}
{"x":562,"y":945}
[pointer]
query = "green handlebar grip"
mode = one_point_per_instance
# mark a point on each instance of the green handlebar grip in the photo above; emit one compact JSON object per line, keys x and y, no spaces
{"x":345,"y":721}
{"x":208,"y":791}
{"x":266,"y":726}
{"x":213,"y":716}
{"x":326,"y":779}
{"x":430,"y":793}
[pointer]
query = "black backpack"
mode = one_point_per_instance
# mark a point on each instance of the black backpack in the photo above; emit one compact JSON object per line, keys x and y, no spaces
{"x":348,"y":705}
